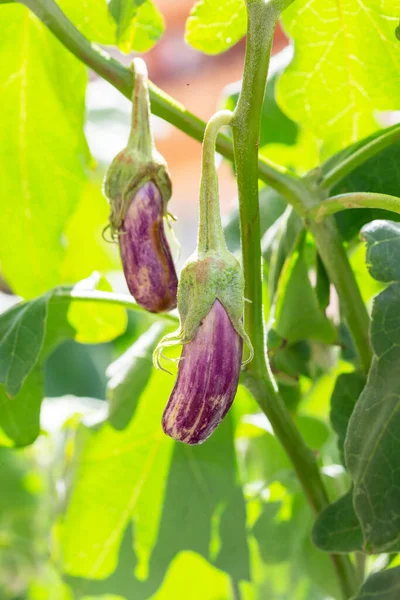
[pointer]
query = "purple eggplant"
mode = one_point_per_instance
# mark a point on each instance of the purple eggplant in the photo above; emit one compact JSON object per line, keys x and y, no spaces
{"x":146,"y":257}
{"x":207,"y":381}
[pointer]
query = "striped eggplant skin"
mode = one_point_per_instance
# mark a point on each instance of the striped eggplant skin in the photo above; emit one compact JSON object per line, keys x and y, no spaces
{"x":207,"y":381}
{"x":146,"y":256}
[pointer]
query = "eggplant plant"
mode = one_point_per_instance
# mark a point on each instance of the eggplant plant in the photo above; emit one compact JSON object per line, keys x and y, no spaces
{"x":245,"y":446}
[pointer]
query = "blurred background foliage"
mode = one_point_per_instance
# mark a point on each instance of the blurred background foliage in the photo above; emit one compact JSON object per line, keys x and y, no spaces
{"x":98,"y":503}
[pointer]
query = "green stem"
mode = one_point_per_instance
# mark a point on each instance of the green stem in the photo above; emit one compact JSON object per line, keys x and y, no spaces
{"x":162,"y":104}
{"x":262,"y":18}
{"x":360,"y":156}
{"x":211,"y":235}
{"x":354,"y":200}
{"x":140,"y":137}
{"x":236,"y":595}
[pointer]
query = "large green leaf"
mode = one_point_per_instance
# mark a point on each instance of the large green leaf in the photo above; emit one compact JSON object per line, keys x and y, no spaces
{"x":336,"y":81}
{"x":43,"y":151}
{"x":29,"y":333}
{"x":384,"y":585}
{"x":373,"y":441}
{"x":213,"y":27}
{"x":337,"y":528}
{"x":178,"y":498}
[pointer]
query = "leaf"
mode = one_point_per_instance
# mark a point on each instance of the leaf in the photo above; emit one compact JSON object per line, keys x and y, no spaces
{"x":298,"y":315}
{"x":337,"y":528}
{"x":139,"y":24}
{"x":213,"y":27}
{"x":92,"y":18}
{"x":384,"y":585}
{"x":275,"y":537}
{"x":335,"y":83}
{"x":44,"y":155}
{"x":22,"y":331}
{"x":20,"y":415}
{"x":383,"y":250}
{"x":178,"y":497}
{"x":93,"y":322}
{"x":372,"y":443}
{"x":129,"y":375}
{"x":348,"y":388}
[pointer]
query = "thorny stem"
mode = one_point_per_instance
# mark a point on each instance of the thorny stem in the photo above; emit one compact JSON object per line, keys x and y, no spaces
{"x":340,"y":202}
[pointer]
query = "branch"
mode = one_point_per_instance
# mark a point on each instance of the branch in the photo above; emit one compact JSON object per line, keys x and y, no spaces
{"x":354,"y":200}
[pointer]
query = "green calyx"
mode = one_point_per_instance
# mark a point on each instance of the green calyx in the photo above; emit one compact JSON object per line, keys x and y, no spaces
{"x":212,"y":272}
{"x":139,"y":162}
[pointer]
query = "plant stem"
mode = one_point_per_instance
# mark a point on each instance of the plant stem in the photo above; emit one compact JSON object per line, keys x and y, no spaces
{"x":211,"y":234}
{"x":360,"y":156}
{"x":236,"y":595}
{"x":162,"y":104}
{"x":354,"y":200}
{"x":262,"y":18}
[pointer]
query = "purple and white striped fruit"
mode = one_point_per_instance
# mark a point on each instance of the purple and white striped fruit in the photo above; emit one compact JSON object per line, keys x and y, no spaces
{"x":138,"y":188}
{"x":207,"y":380}
{"x":210,"y":304}
{"x":146,"y":256}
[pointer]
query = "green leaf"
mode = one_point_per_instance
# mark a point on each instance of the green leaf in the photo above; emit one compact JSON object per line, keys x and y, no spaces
{"x":158,"y":482}
{"x":44,"y":156}
{"x":92,"y":18}
{"x":274,"y":536}
{"x":94,"y":322}
{"x":384,"y":585}
{"x":22,"y":332}
{"x":348,"y":388}
{"x":383,"y":250}
{"x":298,"y":315}
{"x":20,"y":415}
{"x":129,"y":375}
{"x":139,"y":24}
{"x":335,"y":83}
{"x":373,"y":442}
{"x":337,"y":528}
{"x":213,"y":27}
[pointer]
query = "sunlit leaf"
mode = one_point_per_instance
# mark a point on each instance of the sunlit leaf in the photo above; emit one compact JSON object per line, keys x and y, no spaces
{"x":43,"y":151}
{"x":335,"y":83}
{"x":213,"y":27}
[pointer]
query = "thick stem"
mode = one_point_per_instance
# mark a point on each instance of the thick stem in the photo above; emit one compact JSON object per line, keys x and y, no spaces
{"x":211,"y":235}
{"x":262,"y":18}
{"x":354,"y":200}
